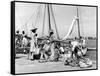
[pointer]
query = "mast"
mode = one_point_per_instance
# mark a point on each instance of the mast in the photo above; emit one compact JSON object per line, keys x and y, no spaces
{"x":54,"y":21}
{"x":78,"y":22}
{"x":49,"y":17}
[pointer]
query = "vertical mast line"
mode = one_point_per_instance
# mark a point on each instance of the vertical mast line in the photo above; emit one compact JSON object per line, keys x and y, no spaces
{"x":78,"y":22}
{"x":54,"y":21}
{"x":44,"y":20}
{"x":49,"y":17}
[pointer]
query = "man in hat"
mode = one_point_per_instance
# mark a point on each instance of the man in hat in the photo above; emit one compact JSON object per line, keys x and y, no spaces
{"x":24,"y":41}
{"x":54,"y":52}
{"x":33,"y":43}
{"x":18,"y":38}
{"x":51,"y":35}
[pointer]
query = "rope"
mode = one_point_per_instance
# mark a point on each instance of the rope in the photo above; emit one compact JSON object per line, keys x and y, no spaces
{"x":30,"y":18}
{"x":32,"y":15}
{"x":44,"y":20}
{"x":19,"y":17}
{"x":37,"y":16}
{"x":17,"y":13}
{"x":54,"y":22}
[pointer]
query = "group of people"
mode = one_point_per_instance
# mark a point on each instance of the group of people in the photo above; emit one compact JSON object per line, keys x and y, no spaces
{"x":21,"y":40}
{"x":44,"y":50}
{"x":50,"y":50}
{"x":76,"y":57}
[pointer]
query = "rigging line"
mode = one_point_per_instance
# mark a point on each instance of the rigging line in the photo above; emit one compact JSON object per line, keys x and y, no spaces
{"x":21,"y":21}
{"x":54,"y":21}
{"x":37,"y":17}
{"x":25,"y":25}
{"x":43,"y":20}
{"x":26,"y":28}
{"x":78,"y":21}
{"x":19,"y":16}
{"x":32,"y":15}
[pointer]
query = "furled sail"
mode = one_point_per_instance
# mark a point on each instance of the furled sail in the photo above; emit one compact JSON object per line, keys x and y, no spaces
{"x":70,"y":29}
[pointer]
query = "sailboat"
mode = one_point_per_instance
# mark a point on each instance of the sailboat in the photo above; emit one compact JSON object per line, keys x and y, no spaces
{"x":76,"y":19}
{"x":63,"y":40}
{"x":48,"y":8}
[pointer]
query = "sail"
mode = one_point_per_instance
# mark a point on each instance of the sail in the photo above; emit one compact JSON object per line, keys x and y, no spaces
{"x":29,"y":15}
{"x":70,"y":29}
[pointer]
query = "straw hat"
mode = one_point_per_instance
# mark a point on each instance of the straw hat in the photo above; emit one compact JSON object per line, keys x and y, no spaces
{"x":34,"y":29}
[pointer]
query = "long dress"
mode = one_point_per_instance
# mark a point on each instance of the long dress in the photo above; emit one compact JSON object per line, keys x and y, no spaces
{"x":32,"y":46}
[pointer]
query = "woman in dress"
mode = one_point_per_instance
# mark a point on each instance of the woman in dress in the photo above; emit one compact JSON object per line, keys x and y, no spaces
{"x":33,"y":43}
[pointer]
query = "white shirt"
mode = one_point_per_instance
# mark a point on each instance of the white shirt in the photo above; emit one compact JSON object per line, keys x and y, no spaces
{"x":74,"y":43}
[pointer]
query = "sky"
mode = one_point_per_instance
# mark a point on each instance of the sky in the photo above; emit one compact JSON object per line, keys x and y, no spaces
{"x":29,"y":15}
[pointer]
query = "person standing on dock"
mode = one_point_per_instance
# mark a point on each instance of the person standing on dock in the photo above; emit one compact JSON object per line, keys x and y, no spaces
{"x":33,"y":43}
{"x":51,"y":35}
{"x":24,"y":41}
{"x":54,"y":52}
{"x":83,"y":45}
